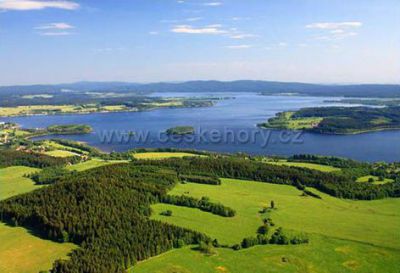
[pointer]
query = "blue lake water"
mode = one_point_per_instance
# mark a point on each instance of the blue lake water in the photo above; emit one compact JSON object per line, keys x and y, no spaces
{"x":229,"y":126}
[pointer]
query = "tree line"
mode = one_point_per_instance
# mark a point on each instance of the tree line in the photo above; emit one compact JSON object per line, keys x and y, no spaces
{"x":203,"y":204}
{"x":335,"y":184}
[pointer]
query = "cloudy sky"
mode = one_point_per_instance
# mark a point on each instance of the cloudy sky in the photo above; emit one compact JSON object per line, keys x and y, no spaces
{"x":324,"y":41}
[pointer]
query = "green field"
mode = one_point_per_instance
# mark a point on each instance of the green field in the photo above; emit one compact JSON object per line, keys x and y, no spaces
{"x":321,"y":255}
{"x":13,"y":182}
{"x":93,"y":163}
{"x":318,"y":167}
{"x":328,"y":216}
{"x":60,"y":153}
{"x":20,"y":251}
{"x":346,"y":236}
{"x":162,"y":155}
{"x":365,"y":179}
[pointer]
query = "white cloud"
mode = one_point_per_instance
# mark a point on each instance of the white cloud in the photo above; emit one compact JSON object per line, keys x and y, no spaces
{"x":154,"y":33}
{"x":55,"y":33}
{"x":213,"y":4}
{"x":55,"y":26}
{"x":36,"y":5}
{"x":239,"y":46}
{"x":194,"y":19}
{"x":335,"y":31}
{"x":337,"y":25}
{"x":241,"y":36}
{"x":188,"y":29}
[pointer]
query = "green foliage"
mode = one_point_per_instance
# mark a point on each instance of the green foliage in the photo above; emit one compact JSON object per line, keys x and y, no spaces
{"x":203,"y":204}
{"x":105,"y":211}
{"x":344,"y":120}
{"x":180,"y":130}
{"x":49,"y":175}
{"x":69,"y":129}
{"x":201,"y":179}
{"x":335,"y":184}
{"x":166,"y":213}
{"x":11,"y":157}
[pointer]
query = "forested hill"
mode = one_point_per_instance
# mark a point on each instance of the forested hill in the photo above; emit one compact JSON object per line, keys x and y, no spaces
{"x":265,"y":87}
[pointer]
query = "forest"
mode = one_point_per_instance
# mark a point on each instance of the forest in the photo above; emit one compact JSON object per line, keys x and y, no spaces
{"x":337,"y":120}
{"x":105,"y":211}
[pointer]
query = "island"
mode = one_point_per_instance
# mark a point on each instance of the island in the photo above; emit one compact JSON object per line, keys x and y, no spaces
{"x":180,"y":130}
{"x":337,"y":120}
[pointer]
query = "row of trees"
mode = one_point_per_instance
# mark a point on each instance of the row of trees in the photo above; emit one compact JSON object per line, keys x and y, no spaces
{"x":208,"y":180}
{"x":203,"y":204}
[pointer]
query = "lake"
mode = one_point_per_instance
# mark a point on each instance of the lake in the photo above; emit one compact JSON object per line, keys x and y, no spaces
{"x":229,"y":126}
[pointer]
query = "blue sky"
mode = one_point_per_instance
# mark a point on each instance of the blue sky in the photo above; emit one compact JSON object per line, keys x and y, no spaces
{"x":324,"y":41}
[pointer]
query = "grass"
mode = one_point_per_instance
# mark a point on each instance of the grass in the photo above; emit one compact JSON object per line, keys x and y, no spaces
{"x":321,"y":255}
{"x":318,"y":167}
{"x":285,"y":120}
{"x":345,"y":235}
{"x":162,"y":155}
{"x":60,"y":153}
{"x":365,"y":179}
{"x":374,"y":222}
{"x":13,"y":182}
{"x":20,"y":251}
{"x":93,"y":163}
{"x":57,"y":146}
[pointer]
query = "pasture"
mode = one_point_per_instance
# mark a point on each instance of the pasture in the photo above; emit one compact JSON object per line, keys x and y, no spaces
{"x":345,"y":236}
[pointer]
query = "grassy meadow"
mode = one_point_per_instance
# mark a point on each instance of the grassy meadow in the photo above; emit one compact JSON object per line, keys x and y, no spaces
{"x":13,"y":182}
{"x":321,"y":255}
{"x":318,"y":167}
{"x":328,"y":216}
{"x":92,"y":163}
{"x":20,"y":251}
{"x":365,"y":179}
{"x":60,"y":153}
{"x":345,"y":235}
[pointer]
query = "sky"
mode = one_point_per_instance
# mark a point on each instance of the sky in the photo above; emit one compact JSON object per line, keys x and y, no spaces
{"x":319,"y":41}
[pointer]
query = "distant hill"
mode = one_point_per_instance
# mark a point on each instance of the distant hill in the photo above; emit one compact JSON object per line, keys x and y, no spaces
{"x":264,"y":87}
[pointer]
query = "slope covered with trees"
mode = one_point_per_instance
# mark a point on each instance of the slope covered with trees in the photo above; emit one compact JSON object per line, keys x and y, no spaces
{"x":105,"y":211}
